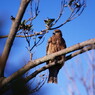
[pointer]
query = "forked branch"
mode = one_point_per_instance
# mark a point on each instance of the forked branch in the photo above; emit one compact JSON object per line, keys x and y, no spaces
{"x":39,"y":61}
{"x":75,"y":8}
{"x":67,"y":58}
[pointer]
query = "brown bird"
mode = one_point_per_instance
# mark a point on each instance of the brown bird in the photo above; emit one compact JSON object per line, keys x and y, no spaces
{"x":55,"y":43}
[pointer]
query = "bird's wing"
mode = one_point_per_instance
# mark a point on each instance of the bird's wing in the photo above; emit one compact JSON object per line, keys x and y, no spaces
{"x":64,"y":43}
{"x":49,"y":46}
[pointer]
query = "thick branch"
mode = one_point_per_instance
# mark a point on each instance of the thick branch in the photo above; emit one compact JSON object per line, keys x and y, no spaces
{"x":67,"y":58}
{"x":50,"y":65}
{"x":36,"y":62}
{"x":12,"y":34}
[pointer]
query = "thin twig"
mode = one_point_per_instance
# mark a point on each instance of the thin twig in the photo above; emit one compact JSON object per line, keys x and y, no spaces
{"x":77,"y":11}
{"x":36,"y":44}
{"x":42,"y":32}
{"x":61,"y":12}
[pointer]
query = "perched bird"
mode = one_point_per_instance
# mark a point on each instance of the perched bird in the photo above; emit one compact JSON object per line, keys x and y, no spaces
{"x":12,"y":18}
{"x":55,"y":43}
{"x":49,"y":22}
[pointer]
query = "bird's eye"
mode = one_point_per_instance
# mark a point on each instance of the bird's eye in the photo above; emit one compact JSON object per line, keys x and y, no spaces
{"x":57,"y":31}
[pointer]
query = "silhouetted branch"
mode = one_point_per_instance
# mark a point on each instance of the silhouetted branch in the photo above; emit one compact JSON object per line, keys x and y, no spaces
{"x":39,"y":85}
{"x":36,"y":11}
{"x":61,"y":12}
{"x":76,"y":8}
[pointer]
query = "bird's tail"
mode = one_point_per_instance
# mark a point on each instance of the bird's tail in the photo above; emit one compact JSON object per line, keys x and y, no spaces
{"x":53,"y":73}
{"x":52,"y":79}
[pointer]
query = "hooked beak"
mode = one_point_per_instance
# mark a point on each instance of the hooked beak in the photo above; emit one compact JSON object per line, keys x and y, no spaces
{"x":53,"y":32}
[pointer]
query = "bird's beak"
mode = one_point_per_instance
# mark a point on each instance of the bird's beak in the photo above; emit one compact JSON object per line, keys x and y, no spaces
{"x":53,"y":32}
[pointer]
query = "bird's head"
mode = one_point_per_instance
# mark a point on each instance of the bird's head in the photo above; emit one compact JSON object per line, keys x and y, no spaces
{"x":57,"y":32}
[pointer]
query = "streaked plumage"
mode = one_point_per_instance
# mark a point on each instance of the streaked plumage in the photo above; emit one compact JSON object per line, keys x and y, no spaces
{"x":55,"y":43}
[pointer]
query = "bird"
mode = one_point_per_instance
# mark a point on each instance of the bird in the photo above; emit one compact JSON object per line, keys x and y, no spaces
{"x":55,"y":44}
{"x":49,"y":22}
{"x":12,"y":18}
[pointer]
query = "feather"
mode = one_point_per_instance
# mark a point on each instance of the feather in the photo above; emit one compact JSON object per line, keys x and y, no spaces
{"x":55,"y":43}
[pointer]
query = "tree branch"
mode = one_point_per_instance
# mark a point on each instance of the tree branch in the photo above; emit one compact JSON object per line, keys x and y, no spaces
{"x":39,"y":61}
{"x":31,"y":35}
{"x":76,"y":8}
{"x":67,"y":58}
{"x":12,"y":34}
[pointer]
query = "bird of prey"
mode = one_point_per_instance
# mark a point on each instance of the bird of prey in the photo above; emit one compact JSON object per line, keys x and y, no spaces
{"x":55,"y":43}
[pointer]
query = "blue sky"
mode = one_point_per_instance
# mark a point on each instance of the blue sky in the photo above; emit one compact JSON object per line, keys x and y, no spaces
{"x":78,"y":30}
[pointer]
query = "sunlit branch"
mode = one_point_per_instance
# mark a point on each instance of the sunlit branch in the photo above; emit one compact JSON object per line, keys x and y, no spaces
{"x":31,"y":35}
{"x":39,"y":61}
{"x":11,"y":37}
{"x":67,"y":58}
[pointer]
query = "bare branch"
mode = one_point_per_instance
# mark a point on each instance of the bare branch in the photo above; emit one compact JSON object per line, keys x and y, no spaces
{"x":61,"y":12}
{"x":24,"y":25}
{"x":31,"y":35}
{"x":39,"y":85}
{"x":36,"y":11}
{"x":67,"y":58}
{"x":76,"y":8}
{"x":80,"y":51}
{"x":39,"y":61}
{"x":12,"y":34}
